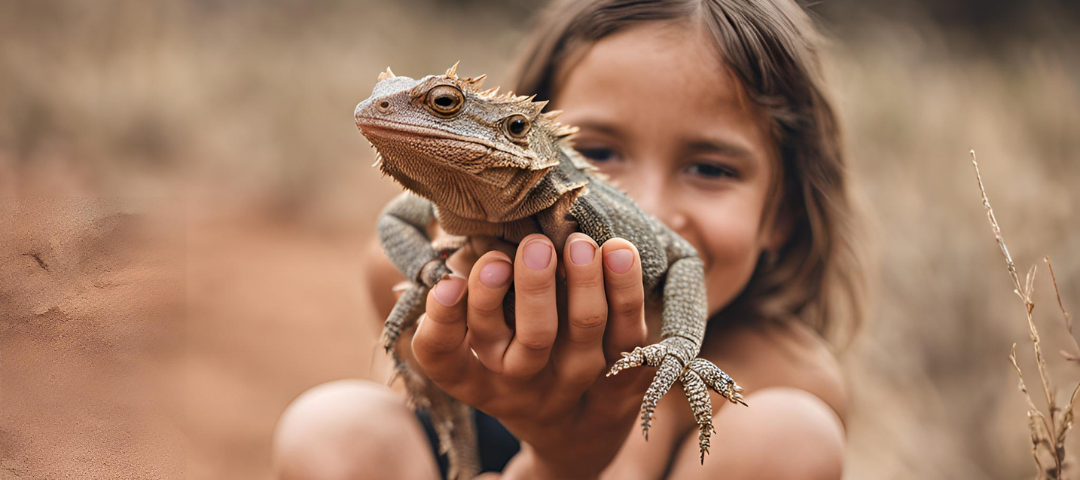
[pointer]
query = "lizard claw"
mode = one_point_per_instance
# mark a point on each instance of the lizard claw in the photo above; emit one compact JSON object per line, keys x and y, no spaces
{"x":410,"y":305}
{"x":717,"y":380}
{"x":697,"y":377}
{"x":433,"y":272}
{"x":408,"y":308}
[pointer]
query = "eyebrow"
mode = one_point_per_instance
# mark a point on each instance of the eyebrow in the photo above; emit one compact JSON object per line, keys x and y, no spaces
{"x":600,"y":126}
{"x":723,"y":147}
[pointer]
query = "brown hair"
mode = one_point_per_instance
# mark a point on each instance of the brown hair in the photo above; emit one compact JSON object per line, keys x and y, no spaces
{"x":771,"y":46}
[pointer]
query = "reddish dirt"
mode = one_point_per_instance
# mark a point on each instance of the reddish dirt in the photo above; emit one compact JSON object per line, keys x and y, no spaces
{"x":138,"y":342}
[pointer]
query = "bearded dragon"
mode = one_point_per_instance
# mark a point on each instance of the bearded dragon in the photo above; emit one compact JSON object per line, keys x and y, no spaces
{"x":488,"y":164}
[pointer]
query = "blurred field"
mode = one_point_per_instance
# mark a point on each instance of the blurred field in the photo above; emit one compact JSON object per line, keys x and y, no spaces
{"x":185,"y":205}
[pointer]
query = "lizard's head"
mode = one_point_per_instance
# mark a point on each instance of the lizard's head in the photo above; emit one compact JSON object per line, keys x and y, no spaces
{"x":449,"y":141}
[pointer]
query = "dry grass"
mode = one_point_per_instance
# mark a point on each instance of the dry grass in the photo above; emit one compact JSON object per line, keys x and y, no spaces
{"x":1048,"y":430}
{"x":926,"y":375}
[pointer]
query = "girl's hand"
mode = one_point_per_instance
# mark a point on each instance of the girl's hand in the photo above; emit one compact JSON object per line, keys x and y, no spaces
{"x":544,"y":378}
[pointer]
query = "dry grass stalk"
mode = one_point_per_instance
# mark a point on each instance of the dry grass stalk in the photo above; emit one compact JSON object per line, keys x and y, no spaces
{"x":1072,"y":357}
{"x":1048,"y":431}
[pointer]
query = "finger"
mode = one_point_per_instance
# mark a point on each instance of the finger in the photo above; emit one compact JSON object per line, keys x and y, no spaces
{"x":536,"y":316}
{"x":439,"y":342}
{"x":488,"y":333}
{"x":579,"y":353}
{"x":625,"y":298}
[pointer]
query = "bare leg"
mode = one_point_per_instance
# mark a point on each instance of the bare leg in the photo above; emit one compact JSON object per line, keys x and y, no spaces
{"x":351,"y":429}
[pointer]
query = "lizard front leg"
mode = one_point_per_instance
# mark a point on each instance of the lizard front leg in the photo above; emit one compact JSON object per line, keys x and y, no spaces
{"x":402,"y":233}
{"x":684,"y":318}
{"x":402,"y":229}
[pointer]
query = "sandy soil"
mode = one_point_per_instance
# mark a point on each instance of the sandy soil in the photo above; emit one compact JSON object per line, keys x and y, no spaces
{"x":138,"y":342}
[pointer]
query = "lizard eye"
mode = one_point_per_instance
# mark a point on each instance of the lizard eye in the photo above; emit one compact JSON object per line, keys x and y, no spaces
{"x":445,"y":100}
{"x":517,"y":126}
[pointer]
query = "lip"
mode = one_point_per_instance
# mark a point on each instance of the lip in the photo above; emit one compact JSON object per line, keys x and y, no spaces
{"x":365,"y":123}
{"x":379,"y":124}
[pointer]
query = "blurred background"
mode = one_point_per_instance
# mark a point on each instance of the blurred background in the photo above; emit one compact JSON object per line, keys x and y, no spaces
{"x":185,"y":208}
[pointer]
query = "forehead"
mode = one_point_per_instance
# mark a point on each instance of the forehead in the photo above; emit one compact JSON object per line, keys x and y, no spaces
{"x":394,"y":85}
{"x":479,"y":105}
{"x":668,"y":75}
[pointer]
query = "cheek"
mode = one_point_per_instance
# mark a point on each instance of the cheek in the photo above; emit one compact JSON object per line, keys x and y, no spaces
{"x":729,"y":242}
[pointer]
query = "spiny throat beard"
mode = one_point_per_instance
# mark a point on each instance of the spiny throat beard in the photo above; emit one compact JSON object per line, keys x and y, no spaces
{"x":494,"y":195}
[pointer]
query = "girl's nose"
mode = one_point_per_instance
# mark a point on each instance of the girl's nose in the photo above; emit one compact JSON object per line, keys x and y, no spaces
{"x":651,"y":191}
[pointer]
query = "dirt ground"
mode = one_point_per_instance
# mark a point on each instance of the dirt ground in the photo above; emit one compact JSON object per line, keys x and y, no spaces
{"x":139,"y":343}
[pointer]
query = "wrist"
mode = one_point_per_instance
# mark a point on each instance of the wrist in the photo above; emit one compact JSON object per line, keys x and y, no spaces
{"x":527,"y":465}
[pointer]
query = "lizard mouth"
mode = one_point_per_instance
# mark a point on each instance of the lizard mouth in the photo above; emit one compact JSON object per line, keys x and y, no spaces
{"x":370,"y":125}
{"x":470,"y":151}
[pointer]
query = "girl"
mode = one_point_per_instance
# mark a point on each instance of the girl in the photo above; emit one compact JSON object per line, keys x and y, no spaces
{"x":711,"y":115}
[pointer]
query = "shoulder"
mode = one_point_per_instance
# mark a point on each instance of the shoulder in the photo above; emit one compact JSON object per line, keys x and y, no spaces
{"x":779,"y":355}
{"x":785,"y":433}
{"x":793,"y":427}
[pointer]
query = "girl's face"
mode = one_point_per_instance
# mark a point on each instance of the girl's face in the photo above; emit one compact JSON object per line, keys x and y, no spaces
{"x":660,"y":114}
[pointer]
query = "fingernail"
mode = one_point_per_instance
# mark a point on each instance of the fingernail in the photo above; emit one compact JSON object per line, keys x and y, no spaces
{"x":495,"y":274}
{"x":581,"y":252}
{"x":537,"y":254}
{"x":448,"y":291}
{"x":619,"y":261}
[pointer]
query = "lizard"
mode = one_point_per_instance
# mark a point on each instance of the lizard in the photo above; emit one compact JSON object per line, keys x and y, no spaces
{"x":485,"y":164}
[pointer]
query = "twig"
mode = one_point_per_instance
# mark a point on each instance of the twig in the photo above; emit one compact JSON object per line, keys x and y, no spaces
{"x":1049,"y":433}
{"x":1072,"y":357}
{"x":1036,"y":420}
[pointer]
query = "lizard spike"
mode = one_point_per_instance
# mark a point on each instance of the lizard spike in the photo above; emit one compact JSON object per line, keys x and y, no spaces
{"x":378,"y":160}
{"x":476,"y":82}
{"x":490,"y":92}
{"x":563,"y":131}
{"x":537,"y":107}
{"x":452,"y":72}
{"x":530,"y":97}
{"x":387,"y":74}
{"x":552,"y":115}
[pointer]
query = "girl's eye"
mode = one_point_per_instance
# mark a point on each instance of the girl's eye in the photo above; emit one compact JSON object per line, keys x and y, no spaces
{"x":597,"y":154}
{"x":711,"y":170}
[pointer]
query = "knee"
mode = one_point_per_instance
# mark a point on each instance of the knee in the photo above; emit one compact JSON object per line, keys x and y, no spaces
{"x":346,"y":429}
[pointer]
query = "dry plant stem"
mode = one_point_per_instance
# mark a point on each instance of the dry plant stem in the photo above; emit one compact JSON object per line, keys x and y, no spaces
{"x":1047,"y":432}
{"x":1072,"y":357}
{"x":1067,"y":417}
{"x":1036,"y":420}
{"x":1024,"y":292}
